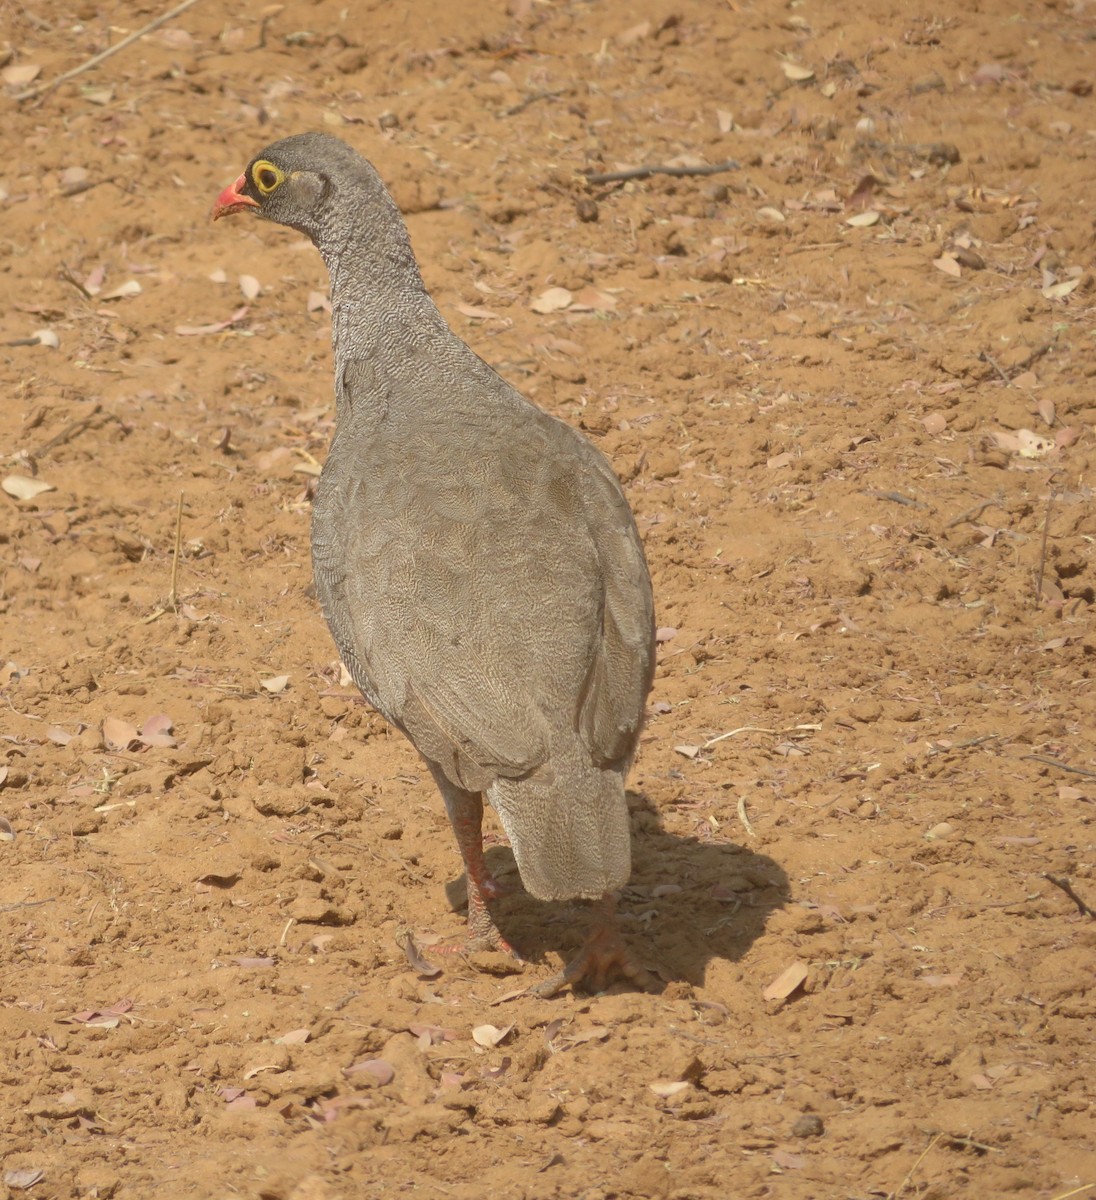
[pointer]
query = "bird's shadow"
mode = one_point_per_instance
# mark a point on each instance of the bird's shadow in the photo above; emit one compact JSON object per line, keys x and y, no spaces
{"x":690,"y":900}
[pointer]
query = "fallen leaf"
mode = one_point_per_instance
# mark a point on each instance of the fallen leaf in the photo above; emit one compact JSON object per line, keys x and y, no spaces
{"x":123,"y":291}
{"x":276,"y":684}
{"x":665,"y":633}
{"x":415,"y":957}
{"x":156,"y":732}
{"x":780,"y":460}
{"x":786,"y":982}
{"x":46,"y":337}
{"x":1058,"y":291}
{"x":375,"y":1071}
{"x":635,"y":33}
{"x":948,"y":265}
{"x":1045,"y":408}
{"x":216,"y":327}
{"x":295,"y":1037}
{"x":786,"y":1160}
{"x":592,"y":299}
{"x":767,"y":213}
{"x":58,"y":735}
{"x":477,"y":312}
{"x":23,"y":1179}
{"x":23,"y":487}
{"x":724,"y":120}
{"x":863,"y":220}
{"x":318,"y":302}
{"x":250,"y":286}
{"x":555,"y":299}
{"x":20,"y":74}
{"x":990,"y":73}
{"x":253,"y":1071}
{"x":7,"y":833}
{"x":687,"y":751}
{"x":489,"y":1035}
{"x":796,"y":73}
{"x":935,"y":423}
{"x":248,"y":963}
{"x":118,"y":734}
{"x":1032,"y":445}
{"x":669,"y":1087}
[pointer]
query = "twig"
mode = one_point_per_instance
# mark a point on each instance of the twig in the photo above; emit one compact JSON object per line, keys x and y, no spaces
{"x":1043,"y":550}
{"x":95,"y":417}
{"x":1067,"y":887}
{"x":743,"y":818}
{"x":971,"y":513}
{"x":897,"y":497}
{"x":731,"y":732}
{"x":43,"y":88}
{"x":173,"y":595}
{"x":1053,"y":762}
{"x":26,"y":904}
{"x":988,"y":358}
{"x":596,"y":177}
{"x":1085,"y":1187}
{"x":909,"y":1174}
{"x":957,"y":1139}
{"x":514,"y":109}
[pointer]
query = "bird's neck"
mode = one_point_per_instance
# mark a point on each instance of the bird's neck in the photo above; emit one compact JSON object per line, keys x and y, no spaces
{"x":380,"y":308}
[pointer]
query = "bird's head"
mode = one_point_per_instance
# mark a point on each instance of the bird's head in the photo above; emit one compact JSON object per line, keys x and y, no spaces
{"x":296,"y":182}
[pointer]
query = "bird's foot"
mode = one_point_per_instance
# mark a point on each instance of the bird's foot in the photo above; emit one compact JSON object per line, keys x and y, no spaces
{"x":602,"y":959}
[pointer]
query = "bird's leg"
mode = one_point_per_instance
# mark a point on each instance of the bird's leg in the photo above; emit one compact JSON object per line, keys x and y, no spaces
{"x":603,"y":956}
{"x":466,"y":816}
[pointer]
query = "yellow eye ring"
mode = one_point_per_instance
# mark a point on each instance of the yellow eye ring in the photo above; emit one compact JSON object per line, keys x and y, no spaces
{"x":266,"y":176}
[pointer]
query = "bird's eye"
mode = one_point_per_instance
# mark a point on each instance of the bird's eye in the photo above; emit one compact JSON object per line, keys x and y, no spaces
{"x":266,"y":177}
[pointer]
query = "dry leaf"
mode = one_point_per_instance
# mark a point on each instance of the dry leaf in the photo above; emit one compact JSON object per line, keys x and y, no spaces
{"x":863,"y":220}
{"x":768,"y":213}
{"x":250,"y":286}
{"x":669,"y":1087}
{"x":7,"y":834}
{"x":276,"y":684}
{"x":592,"y":299}
{"x":374,"y":1071}
{"x":216,"y":327}
{"x":553,"y":300}
{"x":786,"y":982}
{"x":688,"y":751}
{"x":118,"y":734}
{"x":796,"y":73}
{"x":948,"y":265}
{"x":156,"y":732}
{"x":123,"y":291}
{"x":786,"y":1160}
{"x":1045,"y":408}
{"x":477,"y":312}
{"x":489,"y":1035}
{"x":295,"y":1037}
{"x":22,"y":487}
{"x":23,"y":1179}
{"x":46,"y":337}
{"x":20,"y":74}
{"x":1058,"y":291}
{"x":780,"y":460}
{"x":724,"y":120}
{"x":634,"y":34}
{"x":318,"y":302}
{"x":935,"y":423}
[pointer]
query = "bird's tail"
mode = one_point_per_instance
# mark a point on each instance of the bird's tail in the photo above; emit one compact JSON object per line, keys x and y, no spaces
{"x":569,"y":833}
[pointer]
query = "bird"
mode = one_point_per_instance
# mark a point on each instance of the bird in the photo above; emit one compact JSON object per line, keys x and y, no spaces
{"x":477,"y":563}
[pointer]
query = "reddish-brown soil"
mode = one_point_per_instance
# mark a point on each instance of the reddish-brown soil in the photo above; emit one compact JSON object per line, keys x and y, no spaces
{"x":872,"y":736}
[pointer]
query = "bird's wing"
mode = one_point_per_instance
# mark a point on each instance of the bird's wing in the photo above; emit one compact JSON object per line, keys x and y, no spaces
{"x":622,"y":667}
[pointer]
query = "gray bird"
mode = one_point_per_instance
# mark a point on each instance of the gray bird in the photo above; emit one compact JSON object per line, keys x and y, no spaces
{"x":477,"y":562}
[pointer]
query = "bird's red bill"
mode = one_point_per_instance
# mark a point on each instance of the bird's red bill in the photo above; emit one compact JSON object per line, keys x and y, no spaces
{"x":232,"y":200}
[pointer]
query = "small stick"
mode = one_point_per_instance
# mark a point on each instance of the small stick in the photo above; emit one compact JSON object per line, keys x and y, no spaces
{"x":43,"y":88}
{"x":970,"y":514}
{"x":1067,"y":887}
{"x":988,"y":358}
{"x":596,"y":177}
{"x":68,"y":433}
{"x":514,"y":109}
{"x":1053,"y":762}
{"x":173,"y":596}
{"x":743,"y":818}
{"x":897,"y":497}
{"x":26,"y":904}
{"x":909,"y":1174}
{"x":1043,"y":551}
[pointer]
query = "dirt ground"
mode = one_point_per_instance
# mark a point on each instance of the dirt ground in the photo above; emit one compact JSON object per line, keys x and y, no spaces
{"x":848,"y":382}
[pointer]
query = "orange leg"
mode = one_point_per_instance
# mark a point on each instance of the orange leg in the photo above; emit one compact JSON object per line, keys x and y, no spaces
{"x":602,"y":957}
{"x":466,"y":816}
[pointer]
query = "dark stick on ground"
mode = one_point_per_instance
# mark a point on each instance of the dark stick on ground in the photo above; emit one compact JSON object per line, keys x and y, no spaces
{"x":1067,"y":887}
{"x":596,"y":177}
